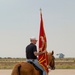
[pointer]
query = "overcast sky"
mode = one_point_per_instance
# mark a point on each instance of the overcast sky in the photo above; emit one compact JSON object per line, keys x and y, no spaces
{"x":20,"y":19}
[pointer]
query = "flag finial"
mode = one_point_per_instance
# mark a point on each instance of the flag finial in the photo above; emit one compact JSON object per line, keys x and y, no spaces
{"x":40,"y":10}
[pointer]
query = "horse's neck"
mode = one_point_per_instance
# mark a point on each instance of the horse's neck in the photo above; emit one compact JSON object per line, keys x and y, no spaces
{"x":49,"y":59}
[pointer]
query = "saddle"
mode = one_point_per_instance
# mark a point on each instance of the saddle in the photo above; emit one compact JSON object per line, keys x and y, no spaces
{"x":41,"y":72}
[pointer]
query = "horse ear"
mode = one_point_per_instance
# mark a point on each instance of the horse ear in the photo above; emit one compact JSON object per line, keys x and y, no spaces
{"x":52,"y":52}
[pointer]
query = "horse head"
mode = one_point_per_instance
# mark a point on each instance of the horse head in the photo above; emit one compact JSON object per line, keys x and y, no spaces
{"x":51,"y":60}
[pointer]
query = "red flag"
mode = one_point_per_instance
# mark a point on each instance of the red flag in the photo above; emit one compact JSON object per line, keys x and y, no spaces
{"x":43,"y":58}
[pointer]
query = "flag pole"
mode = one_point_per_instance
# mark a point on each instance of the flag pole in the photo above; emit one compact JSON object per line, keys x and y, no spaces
{"x":43,"y":58}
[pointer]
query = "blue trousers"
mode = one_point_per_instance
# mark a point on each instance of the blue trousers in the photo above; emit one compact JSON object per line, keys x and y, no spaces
{"x":37,"y":64}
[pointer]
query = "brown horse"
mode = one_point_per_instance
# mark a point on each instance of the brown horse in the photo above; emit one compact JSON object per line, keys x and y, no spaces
{"x":25,"y":68}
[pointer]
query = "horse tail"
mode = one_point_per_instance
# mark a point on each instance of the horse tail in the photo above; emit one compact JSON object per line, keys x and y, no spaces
{"x":16,"y":70}
{"x":19,"y":69}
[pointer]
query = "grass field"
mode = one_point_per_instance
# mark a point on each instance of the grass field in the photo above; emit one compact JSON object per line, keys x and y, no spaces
{"x":65,"y":63}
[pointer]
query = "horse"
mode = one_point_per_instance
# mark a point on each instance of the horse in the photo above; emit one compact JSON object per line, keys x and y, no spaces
{"x":25,"y":68}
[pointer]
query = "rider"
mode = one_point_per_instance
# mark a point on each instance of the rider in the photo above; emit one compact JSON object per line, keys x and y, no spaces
{"x":31,"y":53}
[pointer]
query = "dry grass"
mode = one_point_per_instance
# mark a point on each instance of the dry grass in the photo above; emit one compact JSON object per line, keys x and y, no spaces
{"x":8,"y":63}
{"x":65,"y":63}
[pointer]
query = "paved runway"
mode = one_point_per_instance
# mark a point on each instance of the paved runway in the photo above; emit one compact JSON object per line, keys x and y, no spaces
{"x":52,"y":72}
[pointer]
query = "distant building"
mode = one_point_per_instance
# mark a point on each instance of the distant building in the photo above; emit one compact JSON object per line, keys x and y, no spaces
{"x":61,"y":55}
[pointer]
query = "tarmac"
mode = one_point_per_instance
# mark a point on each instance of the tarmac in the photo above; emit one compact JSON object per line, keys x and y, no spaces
{"x":51,"y":72}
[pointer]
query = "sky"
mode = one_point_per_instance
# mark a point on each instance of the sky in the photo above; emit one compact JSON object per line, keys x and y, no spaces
{"x":20,"y":20}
